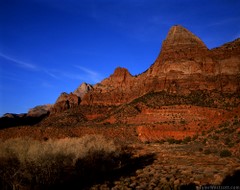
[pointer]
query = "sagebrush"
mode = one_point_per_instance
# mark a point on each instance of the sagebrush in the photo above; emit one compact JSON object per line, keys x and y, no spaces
{"x":30,"y":163}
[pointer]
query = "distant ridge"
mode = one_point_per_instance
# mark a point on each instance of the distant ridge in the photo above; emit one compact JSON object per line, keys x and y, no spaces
{"x":184,"y":65}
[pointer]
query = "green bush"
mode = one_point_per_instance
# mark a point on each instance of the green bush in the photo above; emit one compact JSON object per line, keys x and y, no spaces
{"x":225,"y":153}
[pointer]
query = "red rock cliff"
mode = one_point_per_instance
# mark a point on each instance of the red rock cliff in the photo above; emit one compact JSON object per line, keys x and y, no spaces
{"x":184,"y":64}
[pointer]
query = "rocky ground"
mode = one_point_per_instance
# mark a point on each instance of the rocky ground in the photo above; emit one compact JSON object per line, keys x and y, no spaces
{"x":205,"y":158}
{"x":173,"y":166}
{"x":167,"y":164}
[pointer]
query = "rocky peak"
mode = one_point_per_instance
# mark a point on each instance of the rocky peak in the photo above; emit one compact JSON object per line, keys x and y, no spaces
{"x":120,"y":72}
{"x":120,"y":76}
{"x":83,"y":89}
{"x":63,"y":96}
{"x":227,"y":50}
{"x":39,"y":110}
{"x":65,"y":101}
{"x":111,"y":90}
{"x":181,"y":44}
{"x":180,"y":37}
{"x":228,"y":58}
{"x":182,"y":48}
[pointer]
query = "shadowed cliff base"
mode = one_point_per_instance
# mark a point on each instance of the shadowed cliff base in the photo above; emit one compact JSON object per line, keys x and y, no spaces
{"x":20,"y":120}
{"x":232,"y":179}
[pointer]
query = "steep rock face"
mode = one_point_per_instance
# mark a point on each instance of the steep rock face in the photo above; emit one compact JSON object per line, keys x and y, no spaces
{"x":228,"y":58}
{"x":39,"y":110}
{"x":113,"y":90}
{"x":183,"y":52}
{"x":120,"y":77}
{"x":82,"y":89}
{"x":65,"y":101}
{"x":184,"y":64}
{"x":182,"y":42}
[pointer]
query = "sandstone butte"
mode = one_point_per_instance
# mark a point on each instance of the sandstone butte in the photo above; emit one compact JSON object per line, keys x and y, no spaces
{"x":189,"y":95}
{"x":187,"y":83}
{"x":184,"y":64}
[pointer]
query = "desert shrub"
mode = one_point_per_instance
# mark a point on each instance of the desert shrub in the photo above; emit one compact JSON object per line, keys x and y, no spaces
{"x":174,"y":141}
{"x":204,"y":141}
{"x":28,"y":162}
{"x":162,"y":141}
{"x":187,"y":139}
{"x":227,"y":141}
{"x":224,"y":124}
{"x":201,"y":98}
{"x":231,"y":130}
{"x":183,"y":122}
{"x":236,"y":120}
{"x":171,"y":141}
{"x":218,"y":131}
{"x":215,"y":137}
{"x":195,"y":137}
{"x":225,"y":153}
{"x":207,"y":151}
{"x":230,"y":145}
{"x":178,"y":141}
{"x":210,"y":130}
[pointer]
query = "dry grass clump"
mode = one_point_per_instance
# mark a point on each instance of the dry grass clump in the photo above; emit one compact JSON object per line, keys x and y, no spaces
{"x":30,"y":163}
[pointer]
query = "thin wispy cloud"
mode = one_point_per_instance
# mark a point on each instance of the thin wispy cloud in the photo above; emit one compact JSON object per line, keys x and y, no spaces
{"x":47,"y":85}
{"x":51,"y":74}
{"x":224,"y":21}
{"x":29,"y":66}
{"x":19,"y":63}
{"x":90,"y":74}
{"x":73,"y":76}
{"x":86,"y":70}
{"x":87,"y":75}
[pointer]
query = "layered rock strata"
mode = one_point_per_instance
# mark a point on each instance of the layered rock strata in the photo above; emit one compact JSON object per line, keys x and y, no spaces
{"x":184,"y":64}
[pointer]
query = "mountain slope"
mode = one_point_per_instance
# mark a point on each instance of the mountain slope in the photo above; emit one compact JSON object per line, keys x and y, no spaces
{"x":184,"y":64}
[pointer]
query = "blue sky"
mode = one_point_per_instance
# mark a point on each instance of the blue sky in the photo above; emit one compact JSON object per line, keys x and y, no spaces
{"x":52,"y":46}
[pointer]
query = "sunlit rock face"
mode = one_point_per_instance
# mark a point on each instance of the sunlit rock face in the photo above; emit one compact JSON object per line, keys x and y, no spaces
{"x":66,"y":101}
{"x":182,"y":51}
{"x":82,"y":89}
{"x":184,"y":64}
{"x":39,"y":110}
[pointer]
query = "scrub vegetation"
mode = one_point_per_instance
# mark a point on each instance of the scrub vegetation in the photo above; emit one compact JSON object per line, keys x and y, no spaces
{"x":31,"y":164}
